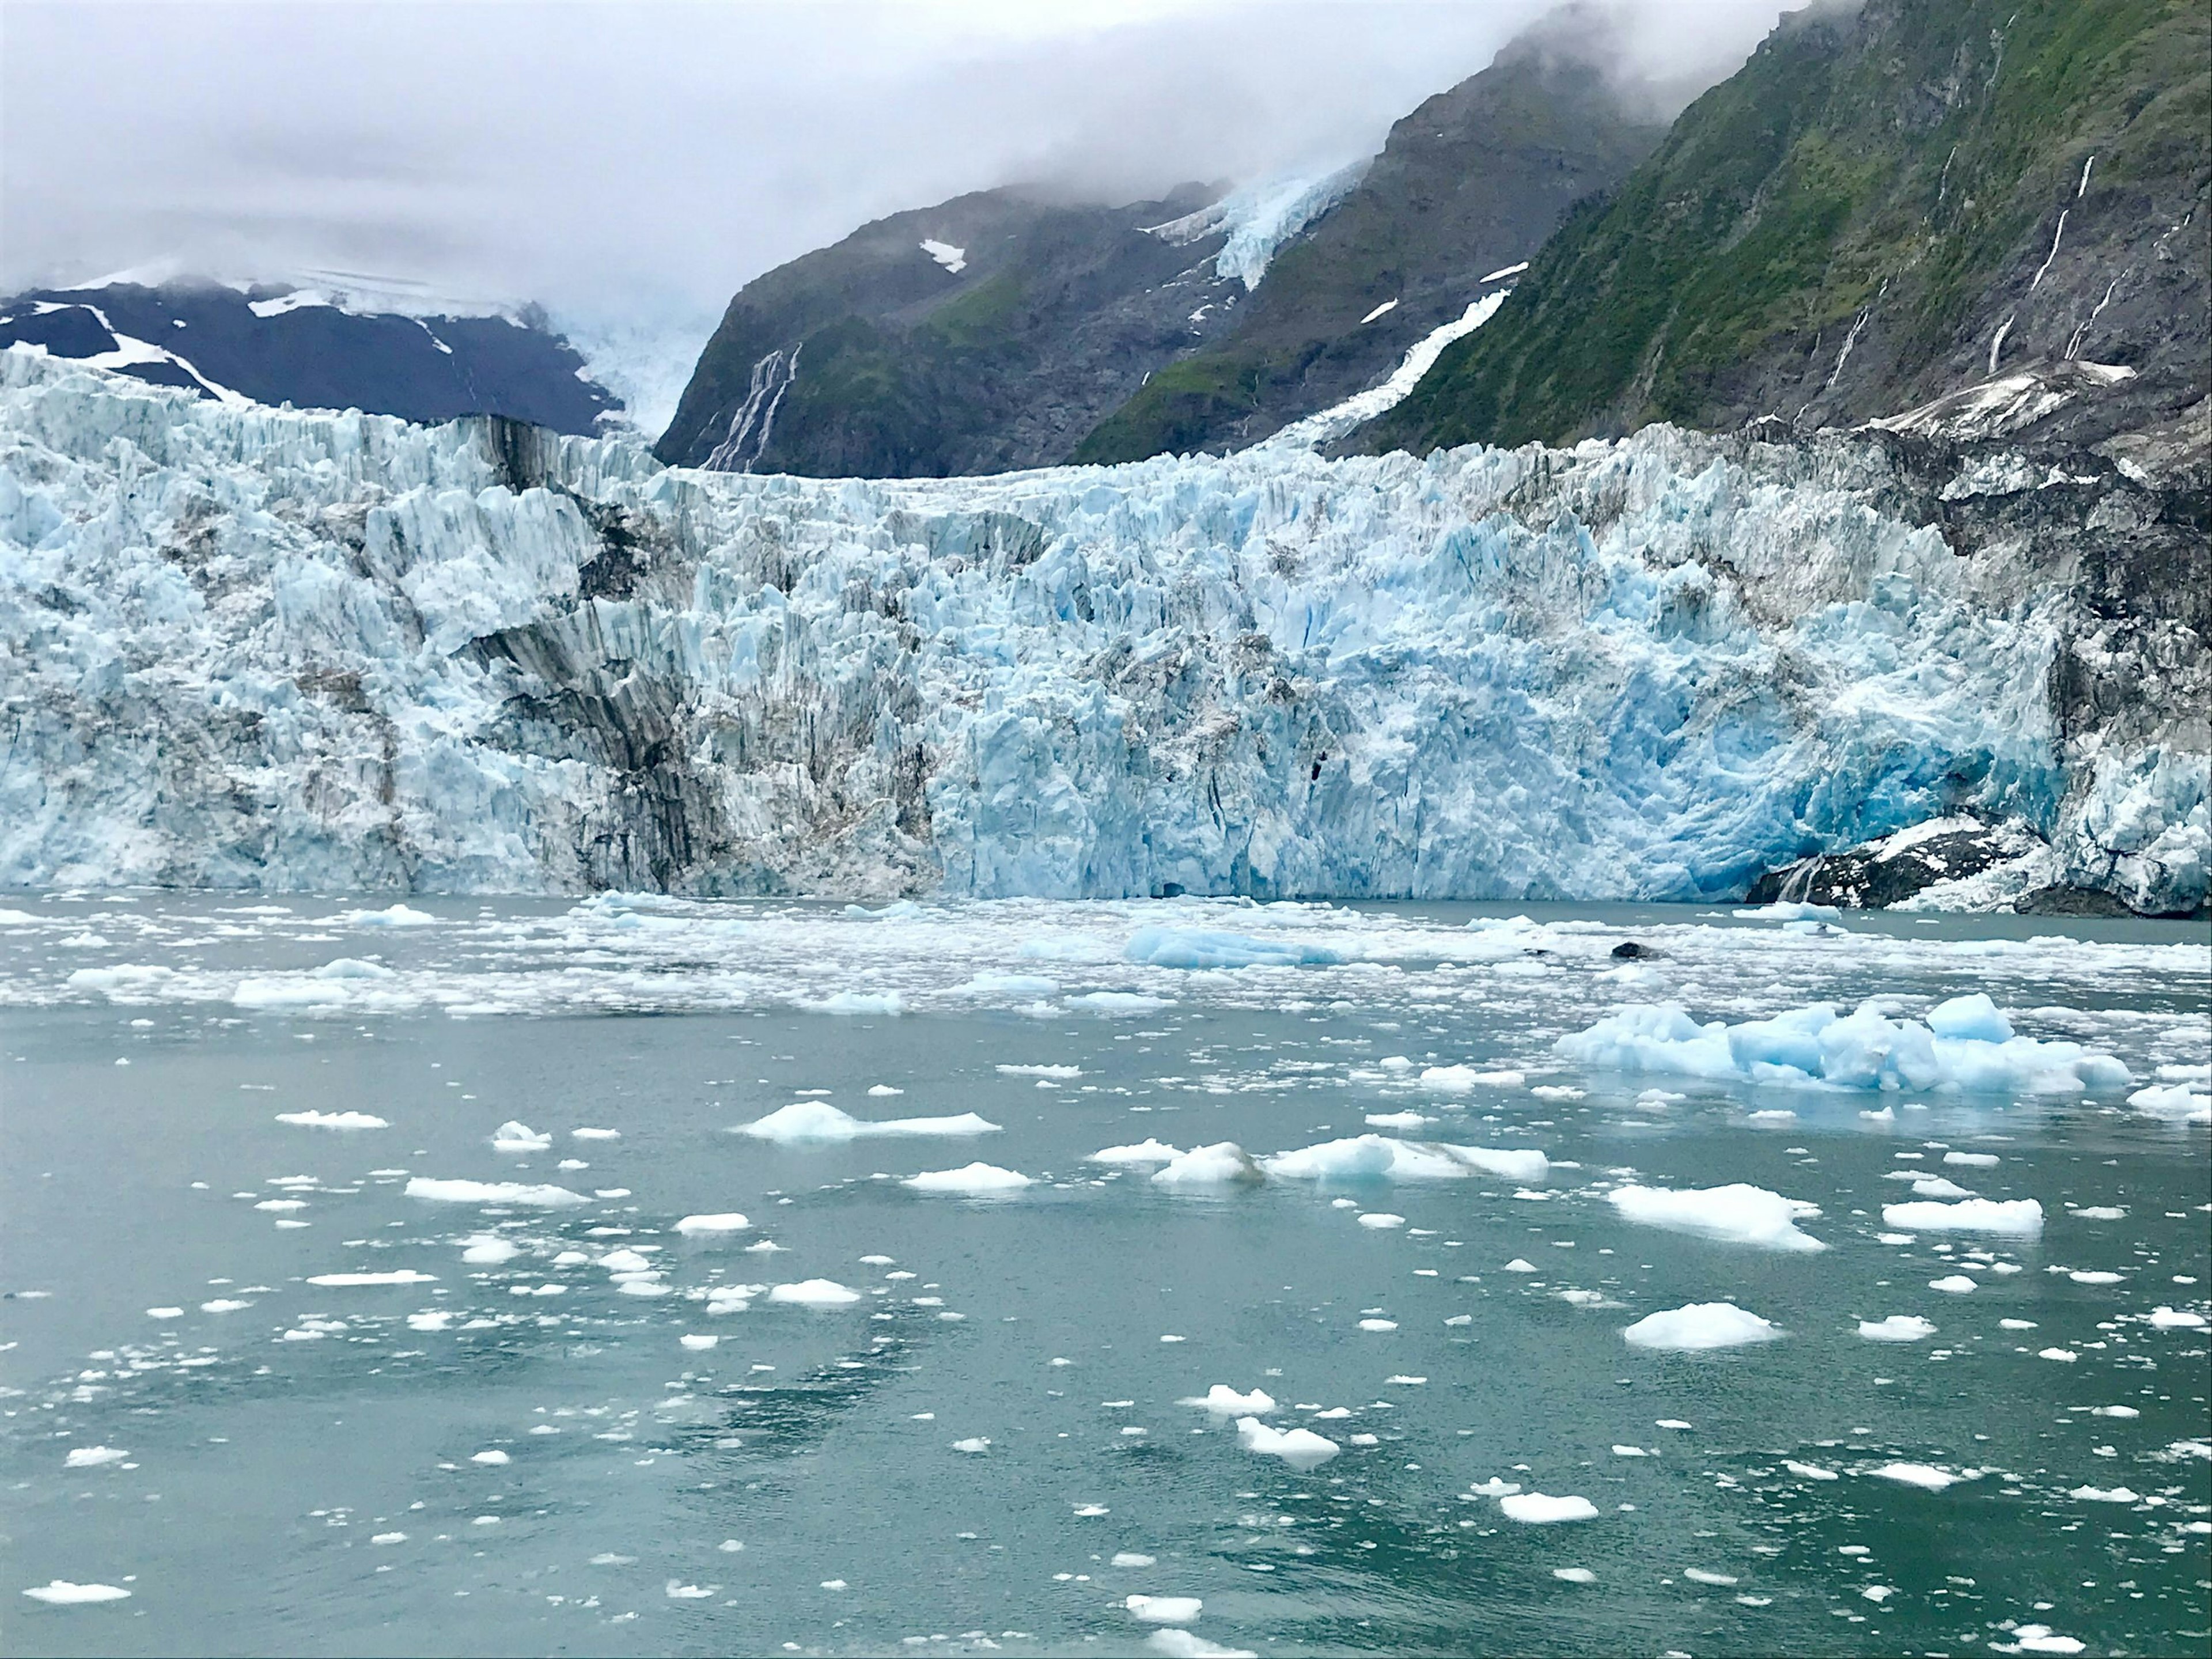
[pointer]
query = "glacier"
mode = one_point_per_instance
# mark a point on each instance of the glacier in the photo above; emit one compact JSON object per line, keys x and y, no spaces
{"x":257,"y":648}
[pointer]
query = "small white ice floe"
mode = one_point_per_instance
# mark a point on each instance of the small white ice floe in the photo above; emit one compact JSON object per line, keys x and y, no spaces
{"x":1378,"y":1326}
{"x":2101,"y":1212}
{"x":1808,"y":1471}
{"x":1699,"y":1326}
{"x":971,"y":1181}
{"x":333,"y":1120}
{"x":1463,"y":1080}
{"x":1495,"y":1487}
{"x":1061,"y":1073}
{"x":1520,"y":1265}
{"x":1133,"y":1559}
{"x":1399,"y":1120}
{"x":493,"y":1459}
{"x":697,"y":1344}
{"x":2175,"y":1319}
{"x":1973,"y":1160}
{"x":2176,"y":1102}
{"x":1165,"y":1609}
{"x":1381,"y":1219}
{"x":1926,"y":1476}
{"x":1536,"y":1508}
{"x":1142,"y":1153}
{"x":1938,"y":1187}
{"x":1699,"y":1576}
{"x":677,"y":1590}
{"x":979,"y":1444}
{"x":2037,"y":1638}
{"x":1225,"y":1401}
{"x":94,"y":1457}
{"x":1383,"y":1157}
{"x":2105,"y":1495}
{"x":1953,"y":1285}
{"x":1225,"y":1163}
{"x":815,"y":1293}
{"x":1574,"y":1575}
{"x":817,"y":1120}
{"x":883,"y":1091}
{"x":492,"y":1191}
{"x":513,"y":1136}
{"x":1739,"y":1214}
{"x":398,"y":1276}
{"x":1898,"y":1327}
{"x":699,"y":1226}
{"x":1302,"y":1449}
{"x":2064,"y":1356}
{"x":62,"y":1594}
{"x":2093,"y":1276}
{"x":2019,"y":1217}
{"x":594,"y":1135}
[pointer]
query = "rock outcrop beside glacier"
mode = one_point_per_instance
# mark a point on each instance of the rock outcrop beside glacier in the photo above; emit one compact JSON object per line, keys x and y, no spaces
{"x":253,"y":649}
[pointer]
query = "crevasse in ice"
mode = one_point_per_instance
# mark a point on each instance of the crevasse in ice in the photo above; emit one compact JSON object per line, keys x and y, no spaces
{"x":263,"y":649}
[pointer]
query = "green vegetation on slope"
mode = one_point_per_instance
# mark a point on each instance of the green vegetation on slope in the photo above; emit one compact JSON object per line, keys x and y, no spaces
{"x":1895,"y":166}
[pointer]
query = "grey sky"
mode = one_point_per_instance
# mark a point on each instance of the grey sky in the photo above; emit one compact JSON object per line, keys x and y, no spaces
{"x":606,"y":155}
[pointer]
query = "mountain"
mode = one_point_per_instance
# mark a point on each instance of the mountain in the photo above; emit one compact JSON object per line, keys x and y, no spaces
{"x":1978,"y":216}
{"x":986,"y":333}
{"x":327,"y":347}
{"x":1467,"y":188}
{"x":251,"y":649}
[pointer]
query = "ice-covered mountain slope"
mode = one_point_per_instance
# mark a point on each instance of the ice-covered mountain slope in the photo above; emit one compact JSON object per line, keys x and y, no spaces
{"x":250,"y":648}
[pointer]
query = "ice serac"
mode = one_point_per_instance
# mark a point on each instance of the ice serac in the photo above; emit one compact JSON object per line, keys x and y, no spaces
{"x":252,"y":648}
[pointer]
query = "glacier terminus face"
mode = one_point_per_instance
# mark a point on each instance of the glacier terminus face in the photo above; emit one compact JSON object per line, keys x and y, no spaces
{"x":250,"y":648}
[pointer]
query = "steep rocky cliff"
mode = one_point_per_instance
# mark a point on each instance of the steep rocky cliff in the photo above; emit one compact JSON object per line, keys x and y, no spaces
{"x":2001,"y":203}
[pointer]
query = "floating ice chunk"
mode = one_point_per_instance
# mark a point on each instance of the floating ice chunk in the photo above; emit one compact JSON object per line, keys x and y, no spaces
{"x":429,"y":1322}
{"x":1699,"y":1576}
{"x":1382,"y":1221}
{"x":1172,"y":1643}
{"x":1791,"y":913}
{"x":1954,"y":1285}
{"x":1535,"y":1508}
{"x":1974,"y":1017}
{"x":1133,"y":1559}
{"x":1383,"y":1157}
{"x":1143,"y":1152}
{"x":595,"y":1134}
{"x":677,"y":1590}
{"x":1302,"y":1449}
{"x":1378,"y":1326}
{"x":1699,"y":1326}
{"x":1003,"y":986}
{"x":1973,"y":1160}
{"x":2037,"y":1638}
{"x":696,"y":1226}
{"x":353,"y":968}
{"x":2176,"y":1102}
{"x":1165,"y":1609}
{"x":1937,"y":1187}
{"x":398,"y":1276}
{"x":1225,"y":1401}
{"x":268,"y":992}
{"x":1060,"y":1073}
{"x":94,"y":1457}
{"x":1898,"y":1327}
{"x":2021,"y":1218}
{"x":1464,"y":1079}
{"x":2105,"y":1495}
{"x":2175,"y":1319}
{"x":333,"y":1120}
{"x":1204,"y":947}
{"x":860,"y":1002}
{"x":1808,"y":1471}
{"x":396,"y":916}
{"x":971,"y":1179}
{"x":2101,"y":1213}
{"x":898,"y":909}
{"x":698,"y":1343}
{"x":1224,"y":1163}
{"x":493,"y":1459}
{"x":1862,"y":1050}
{"x":817,"y":1120}
{"x":1521,"y":1264}
{"x":515,"y":1137}
{"x":62,"y":1594}
{"x":1926,"y":1476}
{"x":815,"y":1293}
{"x":2093,"y":1276}
{"x":1574,"y":1575}
{"x":979,"y":1444}
{"x":1399,"y":1120}
{"x":492,"y":1191}
{"x":1738,"y":1213}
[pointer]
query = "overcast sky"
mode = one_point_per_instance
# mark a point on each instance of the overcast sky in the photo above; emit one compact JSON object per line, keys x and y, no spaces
{"x":596,"y":154}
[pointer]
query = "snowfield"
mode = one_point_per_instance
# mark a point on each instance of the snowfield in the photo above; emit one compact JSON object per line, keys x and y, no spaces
{"x":250,"y":648}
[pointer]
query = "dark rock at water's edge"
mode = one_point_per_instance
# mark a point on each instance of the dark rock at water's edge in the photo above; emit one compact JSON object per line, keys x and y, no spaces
{"x":278,"y":345}
{"x":1880,"y":874}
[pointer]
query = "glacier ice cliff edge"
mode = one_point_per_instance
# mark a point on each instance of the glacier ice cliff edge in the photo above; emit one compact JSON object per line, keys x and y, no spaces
{"x":257,"y":648}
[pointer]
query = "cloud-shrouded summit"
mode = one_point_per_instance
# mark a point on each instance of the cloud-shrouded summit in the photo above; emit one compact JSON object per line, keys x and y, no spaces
{"x":624,"y":160}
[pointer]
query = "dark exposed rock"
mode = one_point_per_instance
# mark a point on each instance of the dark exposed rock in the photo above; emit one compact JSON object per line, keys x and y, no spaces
{"x":1882,"y":873}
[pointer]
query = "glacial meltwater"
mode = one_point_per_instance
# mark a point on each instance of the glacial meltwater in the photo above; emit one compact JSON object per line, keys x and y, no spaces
{"x":1179,"y":1277}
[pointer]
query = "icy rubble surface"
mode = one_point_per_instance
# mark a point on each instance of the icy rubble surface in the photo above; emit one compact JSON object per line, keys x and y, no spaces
{"x":328,"y":652}
{"x":1966,"y":1045}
